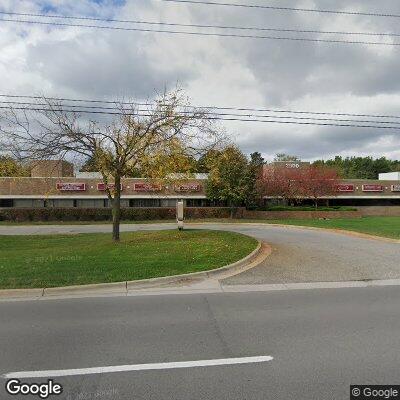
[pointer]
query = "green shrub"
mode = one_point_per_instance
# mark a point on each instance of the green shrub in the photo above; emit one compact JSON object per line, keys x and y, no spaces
{"x":104,"y":214}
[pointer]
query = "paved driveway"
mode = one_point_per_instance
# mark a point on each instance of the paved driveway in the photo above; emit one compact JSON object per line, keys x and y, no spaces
{"x":299,"y":255}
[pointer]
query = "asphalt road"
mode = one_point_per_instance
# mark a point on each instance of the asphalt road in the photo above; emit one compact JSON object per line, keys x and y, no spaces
{"x":299,"y":255}
{"x":321,"y":341}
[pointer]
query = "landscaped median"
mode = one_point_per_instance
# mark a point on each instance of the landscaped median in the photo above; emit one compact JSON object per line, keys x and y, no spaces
{"x":64,"y":260}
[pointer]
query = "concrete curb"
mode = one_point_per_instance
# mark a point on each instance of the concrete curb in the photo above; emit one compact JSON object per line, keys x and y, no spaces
{"x":214,"y":287}
{"x":310,"y":285}
{"x":264,"y":288}
{"x":192,"y":279}
{"x":262,"y":251}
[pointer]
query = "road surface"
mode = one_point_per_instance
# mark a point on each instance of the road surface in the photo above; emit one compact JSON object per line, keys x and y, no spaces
{"x":321,"y":341}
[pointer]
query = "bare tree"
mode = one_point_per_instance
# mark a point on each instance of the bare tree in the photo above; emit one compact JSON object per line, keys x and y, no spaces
{"x":135,"y":135}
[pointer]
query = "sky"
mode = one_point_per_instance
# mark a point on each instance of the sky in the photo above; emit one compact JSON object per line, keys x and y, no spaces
{"x":88,"y":63}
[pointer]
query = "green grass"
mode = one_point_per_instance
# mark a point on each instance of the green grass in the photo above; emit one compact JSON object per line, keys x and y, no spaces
{"x":62,"y":260}
{"x":307,"y":208}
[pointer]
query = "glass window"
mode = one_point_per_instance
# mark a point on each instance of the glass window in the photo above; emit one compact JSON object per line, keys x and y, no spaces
{"x":6,"y":203}
{"x":28,"y":203}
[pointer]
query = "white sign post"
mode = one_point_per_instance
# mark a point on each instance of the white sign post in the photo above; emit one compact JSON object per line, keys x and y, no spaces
{"x":179,"y":214}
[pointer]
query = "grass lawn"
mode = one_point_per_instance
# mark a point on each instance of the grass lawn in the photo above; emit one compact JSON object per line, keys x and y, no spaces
{"x":62,"y":260}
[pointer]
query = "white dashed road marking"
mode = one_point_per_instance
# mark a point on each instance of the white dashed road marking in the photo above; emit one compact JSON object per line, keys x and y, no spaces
{"x":137,"y":367}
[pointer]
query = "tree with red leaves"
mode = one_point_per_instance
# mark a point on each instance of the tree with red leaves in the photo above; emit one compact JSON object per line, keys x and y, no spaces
{"x":282,"y":182}
{"x":318,"y":182}
{"x":296,"y":184}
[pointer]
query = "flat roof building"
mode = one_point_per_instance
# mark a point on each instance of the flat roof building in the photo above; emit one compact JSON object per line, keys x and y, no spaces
{"x":384,"y":191}
{"x":389,"y":176}
{"x":54,"y":184}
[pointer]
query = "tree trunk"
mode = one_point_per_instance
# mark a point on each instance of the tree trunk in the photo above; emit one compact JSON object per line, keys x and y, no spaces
{"x":316,"y":203}
{"x":116,"y":209}
{"x":116,"y":216}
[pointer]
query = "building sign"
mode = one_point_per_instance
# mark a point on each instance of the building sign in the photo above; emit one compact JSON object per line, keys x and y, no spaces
{"x":71,"y":187}
{"x":102,"y":187}
{"x":188,"y":187}
{"x":292,"y":165}
{"x":395,"y":188}
{"x":372,"y":188}
{"x":147,"y":187}
{"x":343,"y":187}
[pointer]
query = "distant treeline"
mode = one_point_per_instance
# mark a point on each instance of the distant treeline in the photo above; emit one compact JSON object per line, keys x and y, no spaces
{"x":348,"y":167}
{"x":360,"y":167}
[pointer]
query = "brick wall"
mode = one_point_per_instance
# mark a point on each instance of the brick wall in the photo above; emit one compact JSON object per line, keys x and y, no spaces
{"x":46,"y":187}
{"x":52,"y":168}
{"x":392,"y":211}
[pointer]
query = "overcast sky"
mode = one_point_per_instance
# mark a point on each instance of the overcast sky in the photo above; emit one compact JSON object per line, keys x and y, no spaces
{"x":236,"y":72}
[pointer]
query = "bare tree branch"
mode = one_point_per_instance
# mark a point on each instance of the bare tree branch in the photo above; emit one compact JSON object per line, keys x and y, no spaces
{"x":131,"y":139}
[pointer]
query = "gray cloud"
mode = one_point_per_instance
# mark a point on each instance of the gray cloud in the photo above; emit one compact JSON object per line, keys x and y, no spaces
{"x":220,"y":71}
{"x":102,"y":65}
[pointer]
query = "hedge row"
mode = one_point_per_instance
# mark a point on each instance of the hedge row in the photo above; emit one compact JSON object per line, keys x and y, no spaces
{"x":104,"y":214}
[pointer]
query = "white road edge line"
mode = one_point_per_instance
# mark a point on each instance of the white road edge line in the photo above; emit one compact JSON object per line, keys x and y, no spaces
{"x":136,"y":367}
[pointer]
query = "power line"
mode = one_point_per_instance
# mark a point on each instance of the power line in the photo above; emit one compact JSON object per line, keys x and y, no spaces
{"x":213,"y":118}
{"x":312,"y":10}
{"x":140,"y":22}
{"x":100,"y":109}
{"x":231,"y":35}
{"x":199,"y":107}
